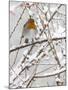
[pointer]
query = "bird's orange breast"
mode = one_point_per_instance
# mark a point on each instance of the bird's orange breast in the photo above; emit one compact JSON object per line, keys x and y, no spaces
{"x":30,"y":24}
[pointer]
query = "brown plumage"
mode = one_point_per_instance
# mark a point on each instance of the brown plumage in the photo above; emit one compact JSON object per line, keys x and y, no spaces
{"x":30,"y":24}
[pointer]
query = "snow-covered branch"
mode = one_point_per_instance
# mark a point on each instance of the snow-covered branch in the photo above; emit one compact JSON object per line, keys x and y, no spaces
{"x":14,"y":48}
{"x":37,"y":53}
{"x":27,"y":64}
{"x":17,"y":22}
{"x":51,"y":74}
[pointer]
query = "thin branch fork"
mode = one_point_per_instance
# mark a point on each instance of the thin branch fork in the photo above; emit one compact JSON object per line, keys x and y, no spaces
{"x":51,"y":17}
{"x":31,"y":65}
{"x":41,"y":32}
{"x":20,"y":18}
{"x":33,"y":74}
{"x":38,"y":42}
{"x":54,"y":13}
{"x":54,"y":52}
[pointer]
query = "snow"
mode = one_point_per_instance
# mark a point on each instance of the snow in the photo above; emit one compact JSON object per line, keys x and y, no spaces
{"x":52,"y":73}
{"x":24,"y":79}
{"x":58,"y":79}
{"x":45,"y":9}
{"x":30,"y":12}
{"x":25,"y":52}
{"x":12,"y":8}
{"x":59,"y":32}
{"x":63,"y":62}
{"x":42,"y":37}
{"x":59,"y":54}
{"x":13,"y":47}
{"x":39,"y":24}
{"x":36,"y":53}
{"x":52,"y":9}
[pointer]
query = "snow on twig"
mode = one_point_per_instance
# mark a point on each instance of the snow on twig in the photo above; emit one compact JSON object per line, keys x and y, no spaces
{"x":51,"y":74}
{"x":14,"y":48}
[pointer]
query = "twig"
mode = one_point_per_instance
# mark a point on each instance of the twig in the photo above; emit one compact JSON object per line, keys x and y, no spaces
{"x":17,"y":22}
{"x":29,"y":67}
{"x":28,"y":52}
{"x":38,"y":42}
{"x":54,"y":13}
{"x":52,"y":45}
{"x":33,"y":74}
{"x":16,"y":74}
{"x":23,"y":62}
{"x":51,"y":18}
{"x":52,"y":73}
{"x":49,"y":38}
{"x":17,"y":51}
{"x":41,"y":10}
{"x":46,"y":69}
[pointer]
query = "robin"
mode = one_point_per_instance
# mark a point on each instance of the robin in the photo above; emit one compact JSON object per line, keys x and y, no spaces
{"x":29,"y":29}
{"x":30,"y":24}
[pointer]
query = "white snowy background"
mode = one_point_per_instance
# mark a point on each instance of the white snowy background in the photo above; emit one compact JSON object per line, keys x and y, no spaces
{"x":45,"y":62}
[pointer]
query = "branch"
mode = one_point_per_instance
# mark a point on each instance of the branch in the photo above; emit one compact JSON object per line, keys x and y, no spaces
{"x":38,"y":42}
{"x":28,"y":64}
{"x":33,"y":74}
{"x":49,"y":36}
{"x":52,"y":73}
{"x":54,"y":13}
{"x":51,"y":17}
{"x":17,"y":22}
